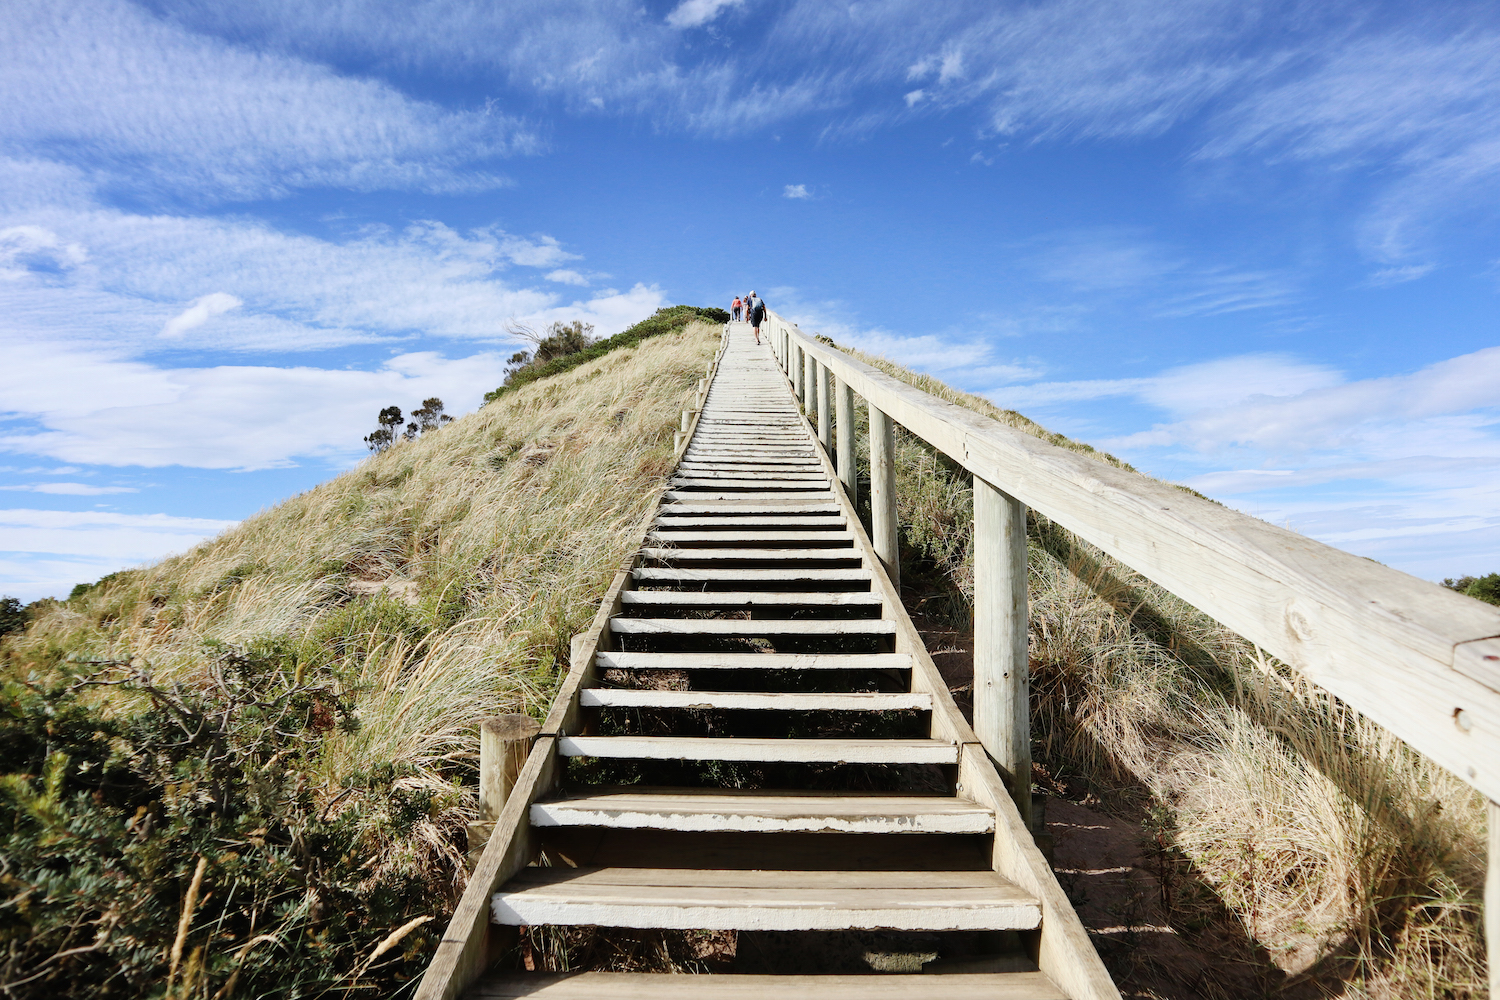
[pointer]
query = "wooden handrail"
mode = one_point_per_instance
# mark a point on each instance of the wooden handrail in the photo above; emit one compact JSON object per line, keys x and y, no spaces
{"x":1416,"y":658}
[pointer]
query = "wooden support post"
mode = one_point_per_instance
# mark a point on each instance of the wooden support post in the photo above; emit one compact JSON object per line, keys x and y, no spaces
{"x":825,"y":418}
{"x":796,"y":372}
{"x":883,"y":492}
{"x":1492,"y":900}
{"x":1002,"y":686}
{"x":809,"y":394}
{"x":844,"y":418}
{"x":504,"y":742}
{"x":687,"y":418}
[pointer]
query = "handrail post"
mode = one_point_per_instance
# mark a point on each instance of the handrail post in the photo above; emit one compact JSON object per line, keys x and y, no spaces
{"x":844,"y":419}
{"x":1002,"y":703}
{"x":825,"y":418}
{"x":809,"y":394}
{"x":1492,"y":897}
{"x":883,"y":492}
{"x":796,"y":373}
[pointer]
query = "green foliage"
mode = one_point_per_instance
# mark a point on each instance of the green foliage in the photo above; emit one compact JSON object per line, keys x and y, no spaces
{"x":1484,"y":588}
{"x":83,"y":588}
{"x":665,"y":320}
{"x":107,"y":816}
{"x":13,"y":615}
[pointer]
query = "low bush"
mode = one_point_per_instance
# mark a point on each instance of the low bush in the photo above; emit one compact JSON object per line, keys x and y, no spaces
{"x":665,"y":320}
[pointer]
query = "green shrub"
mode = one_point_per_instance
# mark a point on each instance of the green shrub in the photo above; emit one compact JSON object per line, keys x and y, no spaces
{"x":665,"y":320}
{"x":108,"y":819}
{"x":1482,"y":588}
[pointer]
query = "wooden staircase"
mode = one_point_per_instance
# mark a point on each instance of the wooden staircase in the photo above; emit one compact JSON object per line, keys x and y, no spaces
{"x":749,"y":665}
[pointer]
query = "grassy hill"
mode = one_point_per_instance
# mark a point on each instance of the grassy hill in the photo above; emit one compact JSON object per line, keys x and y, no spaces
{"x":292,"y":705}
{"x":246,"y":770}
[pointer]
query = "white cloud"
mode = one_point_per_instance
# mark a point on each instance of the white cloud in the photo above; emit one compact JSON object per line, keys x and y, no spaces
{"x":201,"y":311}
{"x":696,"y":13}
{"x":231,"y":417}
{"x":46,"y":552}
{"x":155,"y":107}
{"x":1401,"y":275}
{"x":27,"y":251}
{"x":297,"y":292}
{"x":71,"y":489}
{"x":796,"y":191}
{"x":1425,"y":412}
{"x":564,"y":276}
{"x":98,"y":407}
{"x":915,"y":97}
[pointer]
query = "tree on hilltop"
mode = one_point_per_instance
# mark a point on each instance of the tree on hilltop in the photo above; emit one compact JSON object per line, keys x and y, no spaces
{"x":429,"y":416}
{"x":557,"y":341}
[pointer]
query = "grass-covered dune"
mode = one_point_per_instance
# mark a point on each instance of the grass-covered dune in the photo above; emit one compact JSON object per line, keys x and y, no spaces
{"x":246,"y":770}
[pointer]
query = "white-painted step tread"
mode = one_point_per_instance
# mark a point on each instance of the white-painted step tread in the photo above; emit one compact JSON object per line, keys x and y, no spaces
{"x":760,"y":701}
{"x":814,"y":751}
{"x":694,"y":811}
{"x":665,"y":986}
{"x":730,"y":899}
{"x":748,"y":626}
{"x":680,"y":555}
{"x":750,"y":598}
{"x":742,"y":536}
{"x":605,"y":659}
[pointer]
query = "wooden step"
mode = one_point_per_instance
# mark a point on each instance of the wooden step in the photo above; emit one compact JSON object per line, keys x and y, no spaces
{"x":758,"y":701}
{"x":769,"y":535}
{"x":684,"y":574}
{"x":720,"y":899}
{"x":847,"y":554}
{"x":694,"y":810}
{"x":752,"y":626}
{"x":688,"y":482}
{"x":605,"y":659}
{"x":737,"y":599}
{"x":778,"y":503}
{"x":664,"y":986}
{"x":748,"y":497}
{"x":815,"y":751}
{"x":764,"y":521}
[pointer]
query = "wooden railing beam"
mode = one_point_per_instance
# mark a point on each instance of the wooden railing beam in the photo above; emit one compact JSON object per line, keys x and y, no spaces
{"x":1419,"y":660}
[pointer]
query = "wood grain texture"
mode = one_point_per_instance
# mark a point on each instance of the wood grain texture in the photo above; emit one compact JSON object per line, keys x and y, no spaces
{"x":754,"y":661}
{"x":1385,"y":642}
{"x":729,"y":899}
{"x":694,"y":810}
{"x":819,"y":751}
{"x":658,"y":986}
{"x":772,"y":701}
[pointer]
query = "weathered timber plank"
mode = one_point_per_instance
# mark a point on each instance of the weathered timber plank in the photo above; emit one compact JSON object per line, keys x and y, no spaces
{"x":709,"y":811}
{"x":753,"y":661}
{"x":661,"y":986}
{"x":736,"y":599}
{"x":720,"y":899}
{"x":825,"y":751}
{"x":747,"y":626}
{"x":774,"y":701}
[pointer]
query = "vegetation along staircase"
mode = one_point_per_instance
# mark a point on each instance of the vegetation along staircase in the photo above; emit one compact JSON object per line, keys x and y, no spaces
{"x":752,"y":663}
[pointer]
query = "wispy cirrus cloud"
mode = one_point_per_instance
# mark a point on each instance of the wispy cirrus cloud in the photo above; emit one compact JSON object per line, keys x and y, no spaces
{"x":145,"y":105}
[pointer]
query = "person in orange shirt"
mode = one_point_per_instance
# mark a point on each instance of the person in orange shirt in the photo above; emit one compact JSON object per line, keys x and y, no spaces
{"x":735,"y":310}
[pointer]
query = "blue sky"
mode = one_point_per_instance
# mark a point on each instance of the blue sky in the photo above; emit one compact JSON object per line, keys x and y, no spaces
{"x":1249,"y":246}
